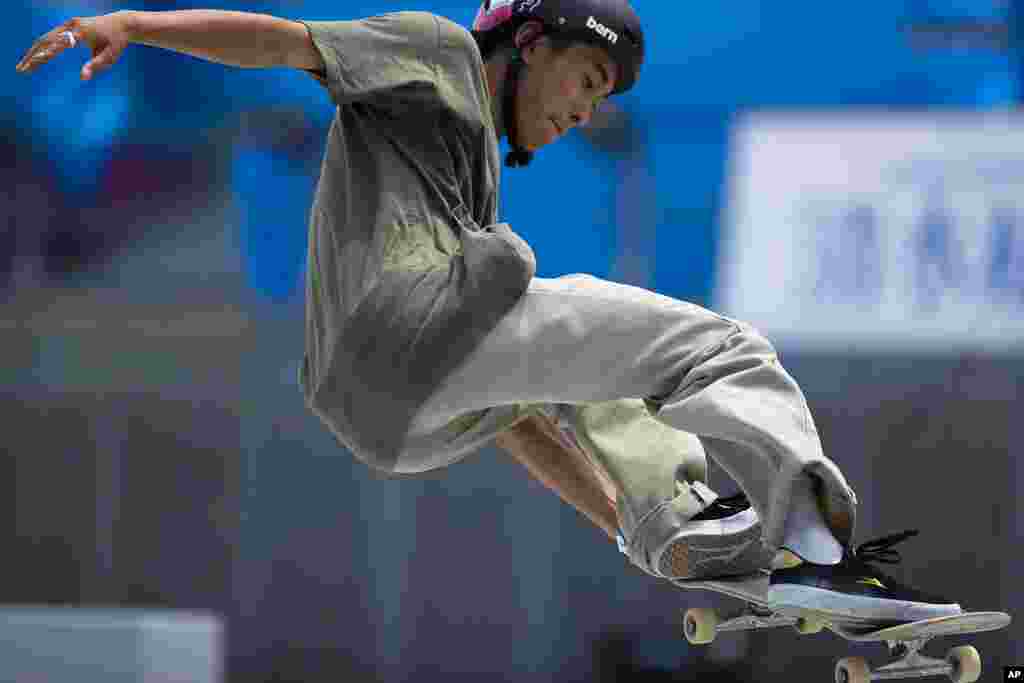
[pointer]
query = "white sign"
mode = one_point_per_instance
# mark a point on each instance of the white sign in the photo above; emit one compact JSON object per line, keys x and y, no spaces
{"x":876,"y":231}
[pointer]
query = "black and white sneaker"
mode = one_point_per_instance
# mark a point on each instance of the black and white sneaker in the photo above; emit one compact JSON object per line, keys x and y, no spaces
{"x":722,"y":540}
{"x":855,"y":590}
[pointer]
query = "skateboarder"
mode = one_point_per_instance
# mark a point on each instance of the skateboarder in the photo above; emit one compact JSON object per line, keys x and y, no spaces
{"x":428,"y":334}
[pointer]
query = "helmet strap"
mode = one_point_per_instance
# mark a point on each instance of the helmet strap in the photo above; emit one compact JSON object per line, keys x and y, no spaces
{"x":518,"y":156}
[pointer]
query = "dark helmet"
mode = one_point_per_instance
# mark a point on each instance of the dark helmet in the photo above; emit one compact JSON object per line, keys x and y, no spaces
{"x":610,"y":24}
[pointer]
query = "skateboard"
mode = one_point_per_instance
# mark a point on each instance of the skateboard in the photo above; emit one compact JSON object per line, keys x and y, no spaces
{"x":904,"y":641}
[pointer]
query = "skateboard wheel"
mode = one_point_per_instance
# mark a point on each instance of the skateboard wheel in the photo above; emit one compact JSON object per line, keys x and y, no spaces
{"x":699,"y":625}
{"x":966,"y":664}
{"x":808,"y":625}
{"x":853,"y":670}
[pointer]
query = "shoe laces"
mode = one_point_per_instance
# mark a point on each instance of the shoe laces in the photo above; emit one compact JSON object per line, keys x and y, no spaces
{"x":735,"y":502}
{"x":880,"y":549}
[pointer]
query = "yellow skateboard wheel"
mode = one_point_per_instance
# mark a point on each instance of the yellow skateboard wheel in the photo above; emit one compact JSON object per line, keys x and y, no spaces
{"x":700,"y":625}
{"x":966,"y":664}
{"x":853,"y":670}
{"x":809,"y":625}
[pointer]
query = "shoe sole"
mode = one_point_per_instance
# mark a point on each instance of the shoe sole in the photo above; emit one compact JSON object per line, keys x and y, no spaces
{"x":854,"y":607}
{"x":716,"y":548}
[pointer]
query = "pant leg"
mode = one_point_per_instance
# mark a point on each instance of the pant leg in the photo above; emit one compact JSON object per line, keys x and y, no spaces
{"x":581,"y":340}
{"x":660,"y":474}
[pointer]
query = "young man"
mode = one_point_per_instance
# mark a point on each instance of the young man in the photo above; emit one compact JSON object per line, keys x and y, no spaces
{"x":428,"y":335}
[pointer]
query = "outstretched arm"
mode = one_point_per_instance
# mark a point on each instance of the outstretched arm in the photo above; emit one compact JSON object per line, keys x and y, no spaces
{"x":563,"y":468}
{"x":243,"y":39}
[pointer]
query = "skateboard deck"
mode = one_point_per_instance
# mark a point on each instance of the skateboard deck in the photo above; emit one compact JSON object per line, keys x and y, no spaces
{"x":905,"y":641}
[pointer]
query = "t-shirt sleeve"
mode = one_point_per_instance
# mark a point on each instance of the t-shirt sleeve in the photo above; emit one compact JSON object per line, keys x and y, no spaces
{"x":369,"y":57}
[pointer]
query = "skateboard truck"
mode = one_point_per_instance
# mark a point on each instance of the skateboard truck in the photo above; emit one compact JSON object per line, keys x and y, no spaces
{"x":701,"y":625}
{"x":962,"y":664}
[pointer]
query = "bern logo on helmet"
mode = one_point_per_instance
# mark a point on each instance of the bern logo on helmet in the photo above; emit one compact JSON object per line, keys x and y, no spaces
{"x":602,"y":30}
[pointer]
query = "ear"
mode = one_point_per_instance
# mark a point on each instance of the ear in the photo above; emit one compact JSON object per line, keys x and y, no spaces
{"x":527,"y":36}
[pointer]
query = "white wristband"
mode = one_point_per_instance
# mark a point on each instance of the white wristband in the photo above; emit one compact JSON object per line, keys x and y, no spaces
{"x":71,"y":38}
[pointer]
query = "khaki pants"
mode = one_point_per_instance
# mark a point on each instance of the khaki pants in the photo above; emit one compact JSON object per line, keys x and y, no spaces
{"x":637,"y":376}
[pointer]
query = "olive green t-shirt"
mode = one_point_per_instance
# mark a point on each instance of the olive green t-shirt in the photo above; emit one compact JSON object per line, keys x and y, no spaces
{"x":407,"y":267}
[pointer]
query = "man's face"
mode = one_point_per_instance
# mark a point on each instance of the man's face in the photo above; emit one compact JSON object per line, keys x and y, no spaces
{"x":560,"y":90}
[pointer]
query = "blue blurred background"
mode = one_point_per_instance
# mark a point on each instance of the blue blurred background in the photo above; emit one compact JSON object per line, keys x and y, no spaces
{"x":156,"y":452}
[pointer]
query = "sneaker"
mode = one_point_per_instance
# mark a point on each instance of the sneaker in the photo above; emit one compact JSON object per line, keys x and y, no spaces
{"x":724,"y":539}
{"x":855,"y":590}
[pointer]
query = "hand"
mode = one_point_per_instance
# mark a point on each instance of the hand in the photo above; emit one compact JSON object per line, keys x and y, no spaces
{"x":107,"y":36}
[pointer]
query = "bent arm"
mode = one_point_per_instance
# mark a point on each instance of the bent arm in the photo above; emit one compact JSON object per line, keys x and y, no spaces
{"x":242,"y":39}
{"x":562,"y":468}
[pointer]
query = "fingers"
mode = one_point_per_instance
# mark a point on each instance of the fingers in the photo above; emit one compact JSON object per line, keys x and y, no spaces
{"x":101,"y":61}
{"x":48,"y":47}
